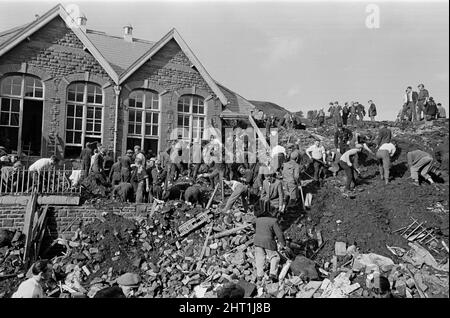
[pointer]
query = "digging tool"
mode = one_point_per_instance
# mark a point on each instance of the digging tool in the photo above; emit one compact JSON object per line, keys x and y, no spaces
{"x":303,"y":198}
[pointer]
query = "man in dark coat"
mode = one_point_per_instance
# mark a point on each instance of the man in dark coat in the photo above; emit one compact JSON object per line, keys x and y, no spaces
{"x":85,"y":157}
{"x":267,"y":229}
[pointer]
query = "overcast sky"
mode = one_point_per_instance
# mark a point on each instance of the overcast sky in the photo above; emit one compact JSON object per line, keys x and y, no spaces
{"x":300,"y":55}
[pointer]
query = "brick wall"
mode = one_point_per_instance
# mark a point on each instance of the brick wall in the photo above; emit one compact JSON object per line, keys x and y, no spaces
{"x":60,"y":217}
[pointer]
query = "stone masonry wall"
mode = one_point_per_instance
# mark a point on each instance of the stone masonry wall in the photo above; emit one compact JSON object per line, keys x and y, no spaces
{"x":61,"y":217}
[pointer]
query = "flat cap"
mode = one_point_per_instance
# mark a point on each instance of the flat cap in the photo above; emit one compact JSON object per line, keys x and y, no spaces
{"x":295,"y":154}
{"x":129,"y":279}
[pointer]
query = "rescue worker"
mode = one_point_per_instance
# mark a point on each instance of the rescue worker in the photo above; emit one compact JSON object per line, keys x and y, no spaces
{"x":125,"y":163}
{"x":158,"y":177}
{"x":320,"y":117}
{"x":384,"y":155}
{"x":272,"y":195}
{"x":114,"y":173}
{"x":127,"y":284}
{"x":372,"y":110}
{"x":267,"y":229}
{"x":32,"y":287}
{"x":85,"y":157}
{"x":342,"y":137}
{"x":384,"y":135}
{"x":420,"y":161}
{"x":317,"y":154}
{"x":240,"y":190}
{"x":346,"y":163}
{"x":291,"y":178}
{"x":142,"y":181}
{"x":123,"y":192}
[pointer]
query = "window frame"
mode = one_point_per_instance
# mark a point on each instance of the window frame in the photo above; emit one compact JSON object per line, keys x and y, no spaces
{"x":193,"y":116}
{"x":21,"y":97}
{"x":85,"y":104}
{"x":144,"y":114}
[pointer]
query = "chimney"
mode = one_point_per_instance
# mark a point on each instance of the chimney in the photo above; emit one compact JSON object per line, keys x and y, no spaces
{"x":81,"y":21}
{"x":128,"y":33}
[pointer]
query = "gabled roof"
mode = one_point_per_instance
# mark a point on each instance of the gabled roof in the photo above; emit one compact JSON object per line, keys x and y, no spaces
{"x":236,"y":103}
{"x":37,"y":24}
{"x":174,"y":35}
{"x":119,"y":58}
{"x":119,"y":53}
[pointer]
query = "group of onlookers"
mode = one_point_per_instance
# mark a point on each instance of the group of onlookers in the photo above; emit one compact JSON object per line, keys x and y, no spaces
{"x":419,"y":106}
{"x":349,"y":114}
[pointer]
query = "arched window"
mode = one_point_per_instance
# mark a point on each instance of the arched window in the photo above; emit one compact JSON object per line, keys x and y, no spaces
{"x":84,"y":116}
{"x":191,"y":117}
{"x":21,"y":107}
{"x":143,"y":120}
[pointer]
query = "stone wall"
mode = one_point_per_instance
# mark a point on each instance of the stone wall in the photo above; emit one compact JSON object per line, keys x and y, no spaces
{"x":60,"y":218}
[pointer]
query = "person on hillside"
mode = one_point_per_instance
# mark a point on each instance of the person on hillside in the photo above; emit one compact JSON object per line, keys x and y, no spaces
{"x":410,"y":103}
{"x":272,"y":195}
{"x":384,"y":135}
{"x":291,"y":178}
{"x":346,"y":163}
{"x":342,"y":137}
{"x":240,"y":190}
{"x":422,"y":100}
{"x":316,"y":153}
{"x":266,"y":247}
{"x":320,"y":117}
{"x":360,"y":110}
{"x":430,"y":110}
{"x":142,"y":181}
{"x":345,"y":113}
{"x":441,"y":111}
{"x":420,"y":161}
{"x":384,"y":155}
{"x":372,"y":110}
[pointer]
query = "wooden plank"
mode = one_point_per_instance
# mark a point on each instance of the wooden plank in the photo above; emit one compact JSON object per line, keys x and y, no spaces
{"x":28,"y":227}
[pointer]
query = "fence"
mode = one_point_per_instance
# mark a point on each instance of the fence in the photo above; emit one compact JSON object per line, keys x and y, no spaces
{"x":51,"y":182}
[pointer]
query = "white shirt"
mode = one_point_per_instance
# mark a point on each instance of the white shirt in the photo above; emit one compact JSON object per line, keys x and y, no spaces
{"x":278,"y":149}
{"x":234,"y":184}
{"x":346,"y":156}
{"x":316,"y":152}
{"x":29,"y":289}
{"x":41,"y":164}
{"x":389,"y":147}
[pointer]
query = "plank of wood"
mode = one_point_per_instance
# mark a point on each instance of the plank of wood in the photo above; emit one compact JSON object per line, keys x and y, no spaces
{"x":232,"y":231}
{"x":28,"y":227}
{"x":212,"y":196}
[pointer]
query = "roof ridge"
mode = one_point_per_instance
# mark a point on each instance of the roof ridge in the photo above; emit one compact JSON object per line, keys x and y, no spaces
{"x":116,"y":36}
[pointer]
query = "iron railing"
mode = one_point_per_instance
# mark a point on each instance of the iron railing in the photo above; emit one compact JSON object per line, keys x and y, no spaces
{"x":50,"y":182}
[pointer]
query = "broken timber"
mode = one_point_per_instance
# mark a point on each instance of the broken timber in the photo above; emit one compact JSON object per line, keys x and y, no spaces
{"x":28,"y":227}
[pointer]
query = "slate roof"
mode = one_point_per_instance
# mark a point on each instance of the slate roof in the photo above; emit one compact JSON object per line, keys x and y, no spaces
{"x":118,"y":52}
{"x":236,"y":103}
{"x":6,"y":35}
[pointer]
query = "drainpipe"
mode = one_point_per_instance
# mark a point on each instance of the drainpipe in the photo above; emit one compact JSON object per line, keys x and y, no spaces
{"x":117,"y":89}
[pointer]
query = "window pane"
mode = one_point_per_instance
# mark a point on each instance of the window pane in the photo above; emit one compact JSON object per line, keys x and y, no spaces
{"x":6,"y":104}
{"x":89,"y":126}
{"x":98,"y":127}
{"x":71,"y":96}
{"x":79,"y":97}
{"x":79,"y":111}
{"x":78,"y":123}
{"x":78,"y":137}
{"x":15,"y":105}
{"x":148,"y":129}
{"x":138,"y":129}
{"x":131,"y":102}
{"x":69,"y":137}
{"x":29,"y":91}
{"x":186,"y":121}
{"x":38,"y":93}
{"x":201,"y":110}
{"x":130,"y":128}
{"x":69,"y":123}
{"x":90,"y":112}
{"x":98,"y":113}
{"x":4,"y":118}
{"x":195,"y":109}
{"x":90,"y":99}
{"x":155,"y":130}
{"x":138,"y":116}
{"x":180,"y":107}
{"x":98,"y":99}
{"x":14,"y":119}
{"x":70,"y":110}
{"x":155,"y":118}
{"x":180,"y":120}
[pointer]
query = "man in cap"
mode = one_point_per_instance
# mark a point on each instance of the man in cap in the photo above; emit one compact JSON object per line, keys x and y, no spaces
{"x":138,"y":154}
{"x":441,"y":111}
{"x":127,"y":284}
{"x":272,"y":195}
{"x":125,"y":163}
{"x":345,"y":113}
{"x":430,"y":110}
{"x":291,"y":178}
{"x":346,"y":163}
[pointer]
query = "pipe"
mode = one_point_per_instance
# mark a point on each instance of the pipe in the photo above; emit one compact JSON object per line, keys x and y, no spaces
{"x":117,"y":89}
